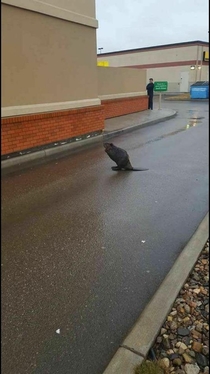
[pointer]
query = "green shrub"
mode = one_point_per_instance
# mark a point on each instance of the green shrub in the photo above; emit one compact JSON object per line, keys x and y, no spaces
{"x":148,"y":367}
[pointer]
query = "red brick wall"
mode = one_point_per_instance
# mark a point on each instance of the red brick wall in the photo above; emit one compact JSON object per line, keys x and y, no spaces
{"x":28,"y":131}
{"x":24,"y":132}
{"x":119,"y":107}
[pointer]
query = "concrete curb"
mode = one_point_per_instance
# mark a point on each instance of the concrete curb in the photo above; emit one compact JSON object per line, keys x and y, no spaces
{"x":184,"y":99}
{"x":34,"y":158}
{"x":50,"y":153}
{"x":136,"y":345}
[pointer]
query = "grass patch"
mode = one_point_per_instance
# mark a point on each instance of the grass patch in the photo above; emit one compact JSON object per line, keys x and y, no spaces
{"x":149,"y":367}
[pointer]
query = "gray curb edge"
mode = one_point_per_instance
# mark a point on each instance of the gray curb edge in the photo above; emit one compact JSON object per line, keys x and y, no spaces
{"x":136,"y":345}
{"x":60,"y":151}
{"x":64,"y":150}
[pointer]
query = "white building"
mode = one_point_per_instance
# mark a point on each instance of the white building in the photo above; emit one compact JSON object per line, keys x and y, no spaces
{"x":180,"y":64}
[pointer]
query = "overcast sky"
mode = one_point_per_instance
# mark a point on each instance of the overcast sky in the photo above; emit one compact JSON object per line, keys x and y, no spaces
{"x":127,"y":24}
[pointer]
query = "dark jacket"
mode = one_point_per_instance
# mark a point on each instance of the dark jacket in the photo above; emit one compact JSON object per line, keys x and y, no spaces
{"x":150,"y":88}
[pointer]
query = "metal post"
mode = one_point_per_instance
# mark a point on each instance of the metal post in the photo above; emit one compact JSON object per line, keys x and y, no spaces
{"x":159,"y":100}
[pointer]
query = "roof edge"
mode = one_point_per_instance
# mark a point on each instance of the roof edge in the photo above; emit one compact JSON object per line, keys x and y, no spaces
{"x":193,"y":42}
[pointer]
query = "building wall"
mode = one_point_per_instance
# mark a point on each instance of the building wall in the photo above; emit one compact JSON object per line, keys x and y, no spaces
{"x":25,"y":134}
{"x":50,"y":76}
{"x":157,"y":56}
{"x":122,"y":90}
{"x":166,"y":63}
{"x":115,"y":81}
{"x":46,"y":60}
{"x":125,"y":105}
{"x":173,"y":75}
{"x":84,"y":7}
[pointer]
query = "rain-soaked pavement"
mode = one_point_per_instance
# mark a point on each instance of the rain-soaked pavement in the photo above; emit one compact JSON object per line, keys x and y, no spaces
{"x":84,"y":248}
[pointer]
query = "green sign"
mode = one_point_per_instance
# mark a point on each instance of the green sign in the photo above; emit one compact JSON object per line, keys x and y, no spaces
{"x":160,"y":86}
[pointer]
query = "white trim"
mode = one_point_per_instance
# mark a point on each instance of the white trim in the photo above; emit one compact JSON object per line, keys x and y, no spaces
{"x":122,"y":95}
{"x":53,"y":11}
{"x":43,"y":108}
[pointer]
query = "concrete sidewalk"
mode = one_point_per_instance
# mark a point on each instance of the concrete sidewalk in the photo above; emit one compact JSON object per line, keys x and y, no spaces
{"x":113,"y":127}
{"x":130,"y":122}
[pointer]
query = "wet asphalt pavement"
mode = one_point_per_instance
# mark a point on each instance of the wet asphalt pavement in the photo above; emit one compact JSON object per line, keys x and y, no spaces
{"x":84,"y":248}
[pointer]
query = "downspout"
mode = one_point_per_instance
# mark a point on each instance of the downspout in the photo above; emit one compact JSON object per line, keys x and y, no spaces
{"x":196,"y":66}
{"x":201,"y":62}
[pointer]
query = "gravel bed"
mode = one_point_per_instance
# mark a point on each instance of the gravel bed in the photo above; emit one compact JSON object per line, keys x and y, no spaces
{"x":182,"y":345}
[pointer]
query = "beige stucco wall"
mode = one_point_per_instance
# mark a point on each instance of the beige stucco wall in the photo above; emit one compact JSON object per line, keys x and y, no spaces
{"x":81,"y":11}
{"x":84,"y":7}
{"x":46,"y":59}
{"x":119,"y":81}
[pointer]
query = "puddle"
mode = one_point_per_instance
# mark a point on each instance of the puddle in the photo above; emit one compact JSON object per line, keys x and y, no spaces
{"x":167,"y":135}
{"x":196,"y":118}
{"x":192,"y":123}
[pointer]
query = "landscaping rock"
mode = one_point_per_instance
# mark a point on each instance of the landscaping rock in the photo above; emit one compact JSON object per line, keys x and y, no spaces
{"x":187,"y":358}
{"x":197,"y":347}
{"x":201,"y":360}
{"x":164,"y":363}
{"x":192,"y":369}
{"x":183,"y":331}
{"x":183,"y":342}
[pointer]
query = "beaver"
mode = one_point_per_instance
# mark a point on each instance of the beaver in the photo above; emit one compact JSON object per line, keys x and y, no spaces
{"x":120,"y":156}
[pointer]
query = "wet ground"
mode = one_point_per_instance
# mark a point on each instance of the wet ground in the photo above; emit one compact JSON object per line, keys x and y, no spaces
{"x":84,"y":248}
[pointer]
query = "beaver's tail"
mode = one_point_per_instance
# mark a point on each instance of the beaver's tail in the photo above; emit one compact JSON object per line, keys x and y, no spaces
{"x":116,"y":168}
{"x":134,"y":169}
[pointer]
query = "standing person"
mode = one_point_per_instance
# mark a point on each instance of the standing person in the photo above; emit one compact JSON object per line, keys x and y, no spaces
{"x":150,"y":88}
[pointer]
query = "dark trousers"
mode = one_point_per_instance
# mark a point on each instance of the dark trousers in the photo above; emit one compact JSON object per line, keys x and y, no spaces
{"x":150,"y":102}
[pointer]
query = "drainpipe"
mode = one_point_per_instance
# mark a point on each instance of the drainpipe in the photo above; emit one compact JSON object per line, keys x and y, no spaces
{"x":201,"y":62}
{"x":196,"y":66}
